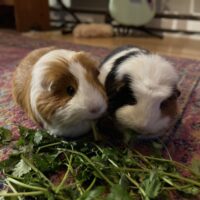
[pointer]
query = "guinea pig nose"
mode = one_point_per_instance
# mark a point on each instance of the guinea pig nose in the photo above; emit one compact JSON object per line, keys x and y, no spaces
{"x":95,"y":110}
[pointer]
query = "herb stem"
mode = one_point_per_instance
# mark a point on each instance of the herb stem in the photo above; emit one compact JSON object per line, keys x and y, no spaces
{"x":77,"y":183}
{"x":12,"y":188}
{"x":143,"y":158}
{"x":165,"y":148}
{"x":178,"y":187}
{"x":188,"y":180}
{"x":61,"y":197}
{"x":111,"y":161}
{"x":33,"y":193}
{"x":37,"y":171}
{"x":91,"y":185}
{"x":48,"y":145}
{"x":138,"y":186}
{"x":80,"y":189}
{"x":25,"y":185}
{"x":168,"y":161}
{"x":96,"y":135}
{"x":65,"y":176}
{"x":92,"y":164}
{"x":175,"y":188}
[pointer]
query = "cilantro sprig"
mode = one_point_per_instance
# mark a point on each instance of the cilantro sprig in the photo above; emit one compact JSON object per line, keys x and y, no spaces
{"x":44,"y":167}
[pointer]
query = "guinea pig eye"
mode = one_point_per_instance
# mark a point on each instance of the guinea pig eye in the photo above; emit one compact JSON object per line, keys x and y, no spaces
{"x":70,"y":90}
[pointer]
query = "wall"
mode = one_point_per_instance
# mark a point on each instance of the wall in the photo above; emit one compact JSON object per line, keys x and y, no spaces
{"x":184,"y":7}
{"x":167,"y":6}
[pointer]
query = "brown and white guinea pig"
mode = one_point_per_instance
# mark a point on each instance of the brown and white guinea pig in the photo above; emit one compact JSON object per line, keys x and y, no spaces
{"x":142,"y":90}
{"x":60,"y":90}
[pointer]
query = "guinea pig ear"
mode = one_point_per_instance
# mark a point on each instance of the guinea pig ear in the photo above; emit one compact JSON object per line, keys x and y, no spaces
{"x":88,"y":61}
{"x":48,"y":85}
{"x":178,"y":92}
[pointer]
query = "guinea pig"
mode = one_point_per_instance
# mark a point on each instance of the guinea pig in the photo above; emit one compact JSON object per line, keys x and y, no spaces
{"x":59,"y":89}
{"x":142,"y":90}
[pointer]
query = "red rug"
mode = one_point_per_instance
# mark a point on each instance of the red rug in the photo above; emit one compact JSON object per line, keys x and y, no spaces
{"x":184,"y":142}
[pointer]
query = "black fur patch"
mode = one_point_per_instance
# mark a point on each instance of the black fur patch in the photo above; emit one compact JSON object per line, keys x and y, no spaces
{"x":120,"y":49}
{"x":119,"y":92}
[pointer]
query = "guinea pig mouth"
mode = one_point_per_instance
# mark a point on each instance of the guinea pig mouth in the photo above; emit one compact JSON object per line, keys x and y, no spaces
{"x":93,"y":116}
{"x":95,"y":113}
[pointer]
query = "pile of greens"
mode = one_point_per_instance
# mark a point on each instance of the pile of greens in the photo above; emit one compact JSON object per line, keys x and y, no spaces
{"x":44,"y":167}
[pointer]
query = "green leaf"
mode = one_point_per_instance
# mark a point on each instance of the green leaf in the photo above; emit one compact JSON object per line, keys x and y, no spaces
{"x":123,"y":181}
{"x":93,"y":194}
{"x":50,"y":196}
{"x":168,"y":180}
{"x":47,"y":161}
{"x":38,"y":137}
{"x":102,"y":162}
{"x":152,"y":185}
{"x":118,"y":193}
{"x":24,"y":133}
{"x":195,"y":167}
{"x":20,"y":169}
{"x":5,"y":136}
{"x":191,"y":190}
{"x":7,"y":165}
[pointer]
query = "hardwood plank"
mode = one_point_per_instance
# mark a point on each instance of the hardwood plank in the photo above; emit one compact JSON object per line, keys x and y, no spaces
{"x":172,"y":46}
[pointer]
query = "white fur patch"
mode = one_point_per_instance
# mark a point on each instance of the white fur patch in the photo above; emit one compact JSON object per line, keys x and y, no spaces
{"x":76,"y":113}
{"x":87,"y":94}
{"x":107,"y":66}
{"x":37,"y":76}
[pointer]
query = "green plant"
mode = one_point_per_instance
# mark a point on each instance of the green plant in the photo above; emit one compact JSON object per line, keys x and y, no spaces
{"x":86,"y":170}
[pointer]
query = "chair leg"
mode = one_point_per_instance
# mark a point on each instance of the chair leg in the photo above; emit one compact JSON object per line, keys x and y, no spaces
{"x":68,"y":27}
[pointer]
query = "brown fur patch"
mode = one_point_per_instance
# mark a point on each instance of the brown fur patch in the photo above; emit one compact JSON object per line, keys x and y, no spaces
{"x":56,"y":79}
{"x":91,"y":66}
{"x":169,"y":107}
{"x":88,"y":62}
{"x":22,"y":79}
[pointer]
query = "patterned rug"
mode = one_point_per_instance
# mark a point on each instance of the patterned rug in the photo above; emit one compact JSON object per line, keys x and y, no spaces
{"x":184,"y":143}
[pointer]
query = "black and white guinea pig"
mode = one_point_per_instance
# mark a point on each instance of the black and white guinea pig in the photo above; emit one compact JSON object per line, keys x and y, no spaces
{"x":142,"y":90}
{"x":60,"y":90}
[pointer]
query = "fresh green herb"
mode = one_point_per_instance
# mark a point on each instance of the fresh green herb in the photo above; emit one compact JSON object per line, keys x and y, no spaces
{"x":5,"y":136}
{"x":44,"y":167}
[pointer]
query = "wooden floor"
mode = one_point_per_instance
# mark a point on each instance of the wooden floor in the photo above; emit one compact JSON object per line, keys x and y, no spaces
{"x":179,"y":46}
